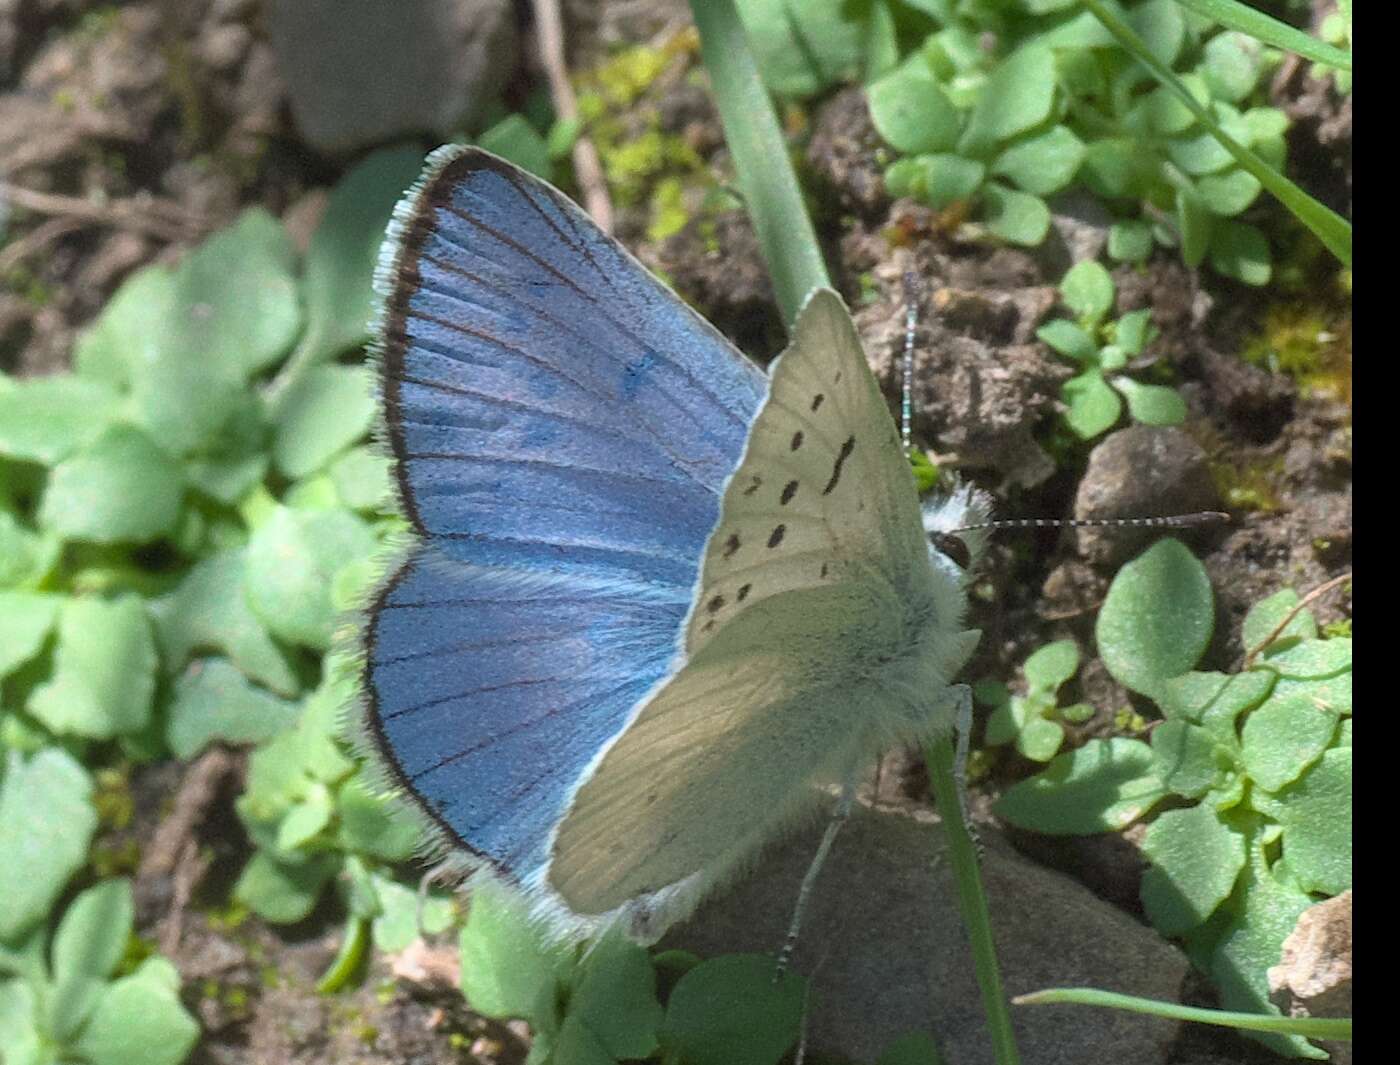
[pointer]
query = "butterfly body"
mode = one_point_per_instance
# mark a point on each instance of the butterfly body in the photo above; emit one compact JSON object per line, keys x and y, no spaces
{"x":655,"y":595}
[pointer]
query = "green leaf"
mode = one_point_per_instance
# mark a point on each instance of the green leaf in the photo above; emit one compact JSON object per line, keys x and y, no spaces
{"x":1194,"y":224}
{"x":1044,"y":163}
{"x":140,"y":1018}
{"x":1267,"y":615}
{"x":213,"y":701}
{"x":208,"y":611}
{"x":1015,"y":216}
{"x":1232,"y":65}
{"x":1093,"y":406}
{"x":1018,"y":96}
{"x":45,"y":419}
{"x":103,"y":672}
{"x":1040,"y":738}
{"x":292,"y":559}
{"x":121,"y":487}
{"x":130,"y":330}
{"x":803,"y":48}
{"x":1100,"y":787}
{"x":1241,"y":251}
{"x":730,"y":1010}
{"x":1161,"y":26}
{"x":1069,"y":340}
{"x":507,"y":966}
{"x":26,"y":619}
{"x":1284,"y":737}
{"x":305,"y":820}
{"x":396,"y":926}
{"x":1196,"y":858}
{"x":88,"y":945}
{"x":1228,"y":193}
{"x":1188,"y":759}
{"x":19,"y":1035}
{"x":1134,"y":331}
{"x":615,"y":997}
{"x":283,"y":890}
{"x":1130,"y":241}
{"x":46,"y":823}
{"x":1262,"y":27}
{"x":361,"y":479}
{"x":577,"y":1045}
{"x":1156,"y":619}
{"x":944,"y":179}
{"x":1206,"y":697}
{"x":340,"y":260}
{"x":1315,"y":812}
{"x":1311,"y":659}
{"x":1152,"y":404}
{"x":1050,"y":666}
{"x":1115,"y":168}
{"x":1087,"y":290}
{"x":375,"y":824}
{"x":515,"y":139}
{"x":325,"y":410}
{"x":909,"y":109}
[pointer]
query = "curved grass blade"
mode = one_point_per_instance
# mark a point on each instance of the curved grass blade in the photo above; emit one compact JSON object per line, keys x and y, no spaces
{"x":1234,"y":15}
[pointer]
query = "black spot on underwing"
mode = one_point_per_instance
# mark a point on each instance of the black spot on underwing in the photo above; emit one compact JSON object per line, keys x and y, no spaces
{"x":754,"y":486}
{"x":837,"y":379}
{"x":789,"y":490}
{"x":797,"y":440}
{"x":776,"y":536}
{"x":817,"y":401}
{"x":730,"y":546}
{"x":846,"y":449}
{"x":714,"y":604}
{"x":744,"y":592}
{"x":823,"y":569}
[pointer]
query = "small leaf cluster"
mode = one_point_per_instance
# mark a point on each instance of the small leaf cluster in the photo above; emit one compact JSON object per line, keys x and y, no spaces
{"x":1099,"y":348}
{"x":612,"y":1001}
{"x":1032,"y":723}
{"x":1000,"y":106}
{"x":77,"y":993}
{"x":1254,"y":767}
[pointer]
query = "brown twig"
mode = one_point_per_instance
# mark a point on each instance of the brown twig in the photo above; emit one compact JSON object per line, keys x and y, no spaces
{"x":588,"y":168}
{"x":35,"y":241}
{"x":165,"y":220}
{"x":1321,"y":589}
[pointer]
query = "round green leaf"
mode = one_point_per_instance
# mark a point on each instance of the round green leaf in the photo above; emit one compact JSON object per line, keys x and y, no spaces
{"x":213,"y":701}
{"x":1267,"y":615}
{"x":284,"y":891}
{"x":1100,"y":787}
{"x":802,"y":49}
{"x":507,"y":966}
{"x":1087,"y":290}
{"x":1042,"y":164}
{"x":326,"y":410}
{"x":46,"y":823}
{"x":292,"y":560}
{"x":1015,"y":216}
{"x":1315,"y":812}
{"x":361,"y":479}
{"x":103,"y":672}
{"x":1233,"y":63}
{"x":615,"y":997}
{"x":92,"y":936}
{"x":1195,"y":859}
{"x":1187,"y":757}
{"x":1040,"y":738}
{"x":139,"y":1018}
{"x":1241,"y":251}
{"x":1157,"y":618}
{"x":1228,"y":193}
{"x":120,"y":488}
{"x":1134,"y":331}
{"x":1130,"y":241}
{"x":1284,"y":737}
{"x":1069,"y":340}
{"x":26,"y":619}
{"x":909,"y":109}
{"x":1152,"y":404}
{"x":47,"y":418}
{"x":1093,"y":406}
{"x":1018,"y":96}
{"x":730,"y":1010}
{"x":1162,"y":27}
{"x":1050,"y":666}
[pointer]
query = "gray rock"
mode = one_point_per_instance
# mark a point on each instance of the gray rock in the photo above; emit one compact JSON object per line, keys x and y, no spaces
{"x":360,"y":72}
{"x":1143,"y":471}
{"x":885,"y":948}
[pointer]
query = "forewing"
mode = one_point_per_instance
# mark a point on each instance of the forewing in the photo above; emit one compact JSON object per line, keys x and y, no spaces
{"x":824,"y":494}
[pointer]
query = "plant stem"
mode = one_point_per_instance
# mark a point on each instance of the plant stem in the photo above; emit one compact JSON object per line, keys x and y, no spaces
{"x":761,"y":163}
{"x":972,"y":900}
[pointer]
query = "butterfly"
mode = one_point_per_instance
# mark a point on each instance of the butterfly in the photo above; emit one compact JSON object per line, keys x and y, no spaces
{"x":654,"y":595}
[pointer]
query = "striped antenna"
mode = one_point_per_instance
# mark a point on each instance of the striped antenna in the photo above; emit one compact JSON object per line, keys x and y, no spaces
{"x":911,"y":320}
{"x":1175,"y":521}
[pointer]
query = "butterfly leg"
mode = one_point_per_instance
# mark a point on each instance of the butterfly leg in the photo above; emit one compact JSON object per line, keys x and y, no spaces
{"x":843,"y":811}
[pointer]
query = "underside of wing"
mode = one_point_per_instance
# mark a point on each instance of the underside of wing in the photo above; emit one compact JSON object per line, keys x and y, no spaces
{"x":824,"y":493}
{"x":561,"y":427}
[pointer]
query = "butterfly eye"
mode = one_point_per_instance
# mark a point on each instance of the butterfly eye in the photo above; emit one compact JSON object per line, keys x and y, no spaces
{"x":953,"y":547}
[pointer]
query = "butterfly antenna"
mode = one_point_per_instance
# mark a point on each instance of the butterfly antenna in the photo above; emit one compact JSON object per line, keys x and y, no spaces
{"x":1174,"y":521}
{"x":911,"y":320}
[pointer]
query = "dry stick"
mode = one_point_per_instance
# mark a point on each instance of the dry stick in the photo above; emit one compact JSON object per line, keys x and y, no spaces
{"x":588,"y":168}
{"x":154,"y":217}
{"x":36,"y":240}
{"x":1321,"y":589}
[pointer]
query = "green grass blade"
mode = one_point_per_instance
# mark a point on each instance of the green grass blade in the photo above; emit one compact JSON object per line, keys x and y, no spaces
{"x":761,"y":161}
{"x":1307,"y":1027}
{"x":1237,"y":16}
{"x":1331,"y":228}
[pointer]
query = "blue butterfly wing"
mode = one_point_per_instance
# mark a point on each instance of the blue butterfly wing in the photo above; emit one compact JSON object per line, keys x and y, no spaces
{"x":561,"y":428}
